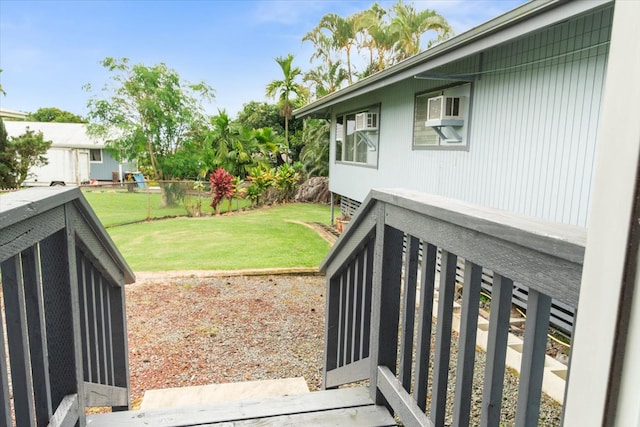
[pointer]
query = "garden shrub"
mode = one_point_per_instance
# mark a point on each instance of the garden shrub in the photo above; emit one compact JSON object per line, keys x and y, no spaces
{"x":221,"y":187}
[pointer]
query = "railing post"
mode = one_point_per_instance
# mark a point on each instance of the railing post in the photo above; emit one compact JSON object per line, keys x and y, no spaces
{"x":18,"y":341}
{"x":63,"y":353}
{"x":425,"y":322}
{"x":496,"y":350}
{"x":331,"y":329}
{"x":467,"y":343}
{"x":385,"y":302}
{"x":75,"y":308}
{"x":533,"y":355}
{"x":5,"y":409}
{"x":448,"y":269}
{"x":37,"y":335}
{"x":409,"y":311}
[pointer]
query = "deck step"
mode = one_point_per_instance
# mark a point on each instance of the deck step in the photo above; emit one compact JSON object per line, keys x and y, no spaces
{"x":214,"y":393}
{"x":342,"y":407}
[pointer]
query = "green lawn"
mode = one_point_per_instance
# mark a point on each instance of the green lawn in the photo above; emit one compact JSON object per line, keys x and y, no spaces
{"x":261,"y":238}
{"x":121,"y":207}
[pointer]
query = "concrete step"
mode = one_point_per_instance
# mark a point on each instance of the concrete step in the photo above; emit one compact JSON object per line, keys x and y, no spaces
{"x":213,"y":393}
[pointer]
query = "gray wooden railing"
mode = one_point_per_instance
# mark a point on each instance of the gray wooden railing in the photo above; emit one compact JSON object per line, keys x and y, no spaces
{"x":63,"y":289}
{"x":381,"y":298}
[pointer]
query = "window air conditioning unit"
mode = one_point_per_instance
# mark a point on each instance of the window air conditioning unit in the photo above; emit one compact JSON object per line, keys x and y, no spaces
{"x":366,"y":121}
{"x":445,"y":111}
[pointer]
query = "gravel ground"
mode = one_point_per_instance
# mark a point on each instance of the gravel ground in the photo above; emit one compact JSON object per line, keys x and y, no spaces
{"x":200,"y":331}
{"x":196,"y":331}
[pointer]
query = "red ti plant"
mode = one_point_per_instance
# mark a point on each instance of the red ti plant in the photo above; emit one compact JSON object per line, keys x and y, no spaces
{"x":221,"y":187}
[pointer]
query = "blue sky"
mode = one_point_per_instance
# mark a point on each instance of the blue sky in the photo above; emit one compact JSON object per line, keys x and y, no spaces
{"x":50,"y":49}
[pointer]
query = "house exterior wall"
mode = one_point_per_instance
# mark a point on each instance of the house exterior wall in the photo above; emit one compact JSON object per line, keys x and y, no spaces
{"x":102,"y":171}
{"x":532,"y":127}
{"x":62,"y":166}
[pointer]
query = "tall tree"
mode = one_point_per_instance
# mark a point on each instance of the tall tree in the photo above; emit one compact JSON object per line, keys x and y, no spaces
{"x":326,"y":78}
{"x":53,"y":114}
{"x":344,"y":32}
{"x":388,"y":36}
{"x":148,"y":114}
{"x":323,"y":44}
{"x":408,"y":26}
{"x":19,"y":154}
{"x":285,"y":88}
{"x":378,"y":38}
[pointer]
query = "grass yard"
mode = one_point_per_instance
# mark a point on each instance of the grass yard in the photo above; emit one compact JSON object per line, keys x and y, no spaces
{"x":261,"y":238}
{"x":121,"y":207}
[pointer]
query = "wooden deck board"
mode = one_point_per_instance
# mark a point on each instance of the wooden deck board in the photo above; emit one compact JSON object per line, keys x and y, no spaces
{"x":351,"y":406}
{"x":368,"y":416}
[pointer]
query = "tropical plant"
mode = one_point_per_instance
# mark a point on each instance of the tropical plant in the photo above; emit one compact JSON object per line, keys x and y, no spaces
{"x":261,"y":179}
{"x":387,"y":35}
{"x":285,"y":181}
{"x":193,"y":204}
{"x":258,"y":115}
{"x":238,"y":148}
{"x":408,"y":25}
{"x":344,"y":35}
{"x":221,"y":187}
{"x":315,"y":154}
{"x":378,"y":39}
{"x":326,"y":78}
{"x":149,"y":113}
{"x":324,"y":46}
{"x":284,"y":89}
{"x":238,"y":191}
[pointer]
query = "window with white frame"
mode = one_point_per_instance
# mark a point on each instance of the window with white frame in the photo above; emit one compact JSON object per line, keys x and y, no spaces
{"x":440,"y":118}
{"x":357,"y":136}
{"x":95,"y":155}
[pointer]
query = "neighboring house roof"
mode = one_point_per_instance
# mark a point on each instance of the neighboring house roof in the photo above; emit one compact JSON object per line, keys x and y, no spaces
{"x":12,"y":114}
{"x":529,"y":17}
{"x":64,"y":135}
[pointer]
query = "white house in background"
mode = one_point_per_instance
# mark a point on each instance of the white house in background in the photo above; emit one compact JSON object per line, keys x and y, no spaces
{"x":12,"y":114}
{"x":74,"y":156}
{"x":504,"y":115}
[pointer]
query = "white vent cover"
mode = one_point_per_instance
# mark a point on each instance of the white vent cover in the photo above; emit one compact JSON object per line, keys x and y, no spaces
{"x":366,"y":121}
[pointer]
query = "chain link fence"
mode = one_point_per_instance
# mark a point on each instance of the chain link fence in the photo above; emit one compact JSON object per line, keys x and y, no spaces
{"x":138,"y":200}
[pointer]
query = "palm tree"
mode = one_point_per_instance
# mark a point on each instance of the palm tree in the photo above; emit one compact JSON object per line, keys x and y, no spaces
{"x":283,"y":89}
{"x":223,"y":138}
{"x":344,"y":32}
{"x":379,"y":38}
{"x":408,"y":26}
{"x":323,"y":46}
{"x":326,"y":78}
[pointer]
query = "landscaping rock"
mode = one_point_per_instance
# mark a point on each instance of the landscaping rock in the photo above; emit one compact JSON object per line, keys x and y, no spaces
{"x":314,"y":190}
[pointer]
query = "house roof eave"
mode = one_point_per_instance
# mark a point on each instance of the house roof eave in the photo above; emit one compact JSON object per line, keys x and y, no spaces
{"x":510,"y":25}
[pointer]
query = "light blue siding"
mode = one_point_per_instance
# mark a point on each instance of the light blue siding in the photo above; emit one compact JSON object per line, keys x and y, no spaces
{"x":532,"y":131}
{"x":102,"y":171}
